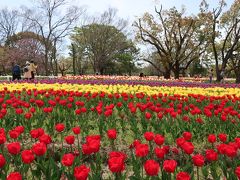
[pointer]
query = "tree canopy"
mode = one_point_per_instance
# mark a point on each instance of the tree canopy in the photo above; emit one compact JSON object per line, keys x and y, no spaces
{"x":103,"y":45}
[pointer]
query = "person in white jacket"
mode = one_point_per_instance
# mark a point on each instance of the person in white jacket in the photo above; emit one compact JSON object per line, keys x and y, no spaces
{"x":26,"y":71}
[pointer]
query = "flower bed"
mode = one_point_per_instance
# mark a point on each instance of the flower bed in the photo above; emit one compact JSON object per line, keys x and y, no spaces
{"x":72,"y":131}
{"x":118,"y":87}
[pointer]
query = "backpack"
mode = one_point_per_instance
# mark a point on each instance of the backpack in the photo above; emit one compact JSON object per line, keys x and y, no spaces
{"x":16,"y":69}
{"x":25,"y":69}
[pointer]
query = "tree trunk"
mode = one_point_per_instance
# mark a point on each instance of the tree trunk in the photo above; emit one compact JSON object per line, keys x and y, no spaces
{"x":238,"y":78}
{"x":176,"y":75}
{"x":74,"y":59}
{"x":56,"y":67}
{"x":46,"y":63}
{"x":218,"y":72}
{"x":183,"y":73}
{"x":74,"y":65}
{"x":237,"y":73}
{"x":176,"y":70}
{"x":218,"y":78}
{"x":101,"y":71}
{"x":4,"y":70}
{"x":167,"y":74}
{"x":52,"y":68}
{"x":54,"y":63}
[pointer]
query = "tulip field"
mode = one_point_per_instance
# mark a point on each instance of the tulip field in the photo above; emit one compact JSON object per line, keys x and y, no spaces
{"x":104,"y":129}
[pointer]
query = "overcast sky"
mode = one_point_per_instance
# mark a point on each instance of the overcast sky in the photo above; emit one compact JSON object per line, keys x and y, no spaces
{"x":127,"y":9}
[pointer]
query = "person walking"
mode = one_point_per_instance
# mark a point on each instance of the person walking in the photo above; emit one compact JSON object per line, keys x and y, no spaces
{"x":26,"y":71}
{"x":16,"y":72}
{"x":32,"y":68}
{"x":210,"y":75}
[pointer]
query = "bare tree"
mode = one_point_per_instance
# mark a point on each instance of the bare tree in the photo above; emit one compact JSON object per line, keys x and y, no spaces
{"x":53,"y":20}
{"x":63,"y":66}
{"x":9,"y":21}
{"x":176,"y":38}
{"x":224,"y":30}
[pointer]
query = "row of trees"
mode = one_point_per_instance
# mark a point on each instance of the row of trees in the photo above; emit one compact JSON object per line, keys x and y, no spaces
{"x":41,"y":28}
{"x":39,"y":33}
{"x":177,"y":41}
{"x":104,"y":44}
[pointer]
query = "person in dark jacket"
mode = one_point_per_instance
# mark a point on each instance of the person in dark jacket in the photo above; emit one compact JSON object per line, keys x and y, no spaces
{"x":16,"y":72}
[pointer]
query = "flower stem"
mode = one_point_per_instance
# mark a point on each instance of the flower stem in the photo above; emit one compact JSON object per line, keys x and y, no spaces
{"x":198,"y":173}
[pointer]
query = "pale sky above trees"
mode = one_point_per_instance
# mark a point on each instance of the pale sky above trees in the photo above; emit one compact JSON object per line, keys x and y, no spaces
{"x":128,"y":9}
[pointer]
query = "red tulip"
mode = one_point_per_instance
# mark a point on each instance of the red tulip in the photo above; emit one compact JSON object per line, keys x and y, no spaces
{"x":32,"y":110}
{"x":135,"y":143}
{"x":14,"y":148}
{"x":91,"y":138}
{"x":175,"y":150}
{"x":169,"y":166}
{"x":108,"y":113}
{"x":199,"y":120}
{"x":159,"y":139}
{"x":198,"y":160}
{"x":86,"y":149}
{"x":237,"y":171}
{"x":34,"y":133}
{"x":92,"y":144}
{"x":230,"y":151}
{"x":60,"y":127}
{"x":119,"y":104}
{"x":141,"y":150}
{"x":19,"y":129}
{"x":187,"y":136}
{"x":14,"y":134}
{"x":81,"y":172}
{"x":180,"y":141}
{"x":70,"y":139}
{"x":237,"y":141}
{"x":151,"y":167}
{"x":2,"y":139}
{"x":185,"y":118}
{"x":222,"y":137}
{"x":160,"y":152}
{"x":69,"y":105}
{"x":68,"y":159}
{"x":76,"y":130}
{"x":188,"y":147}
{"x":183,"y":176}
{"x":45,"y":138}
{"x":117,"y":154}
{"x":166,"y":149}
{"x":19,"y":111}
{"x":112,"y":134}
{"x":27,"y":156}
{"x":2,"y":161}
{"x":79,"y":103}
{"x":39,"y":149}
{"x":149,"y":136}
{"x":211,"y":155}
{"x":212,"y":138}
{"x":14,"y":176}
{"x":116,"y":162}
{"x":148,"y":115}
{"x":28,"y":115}
{"x":2,"y":131}
{"x":221,"y":148}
